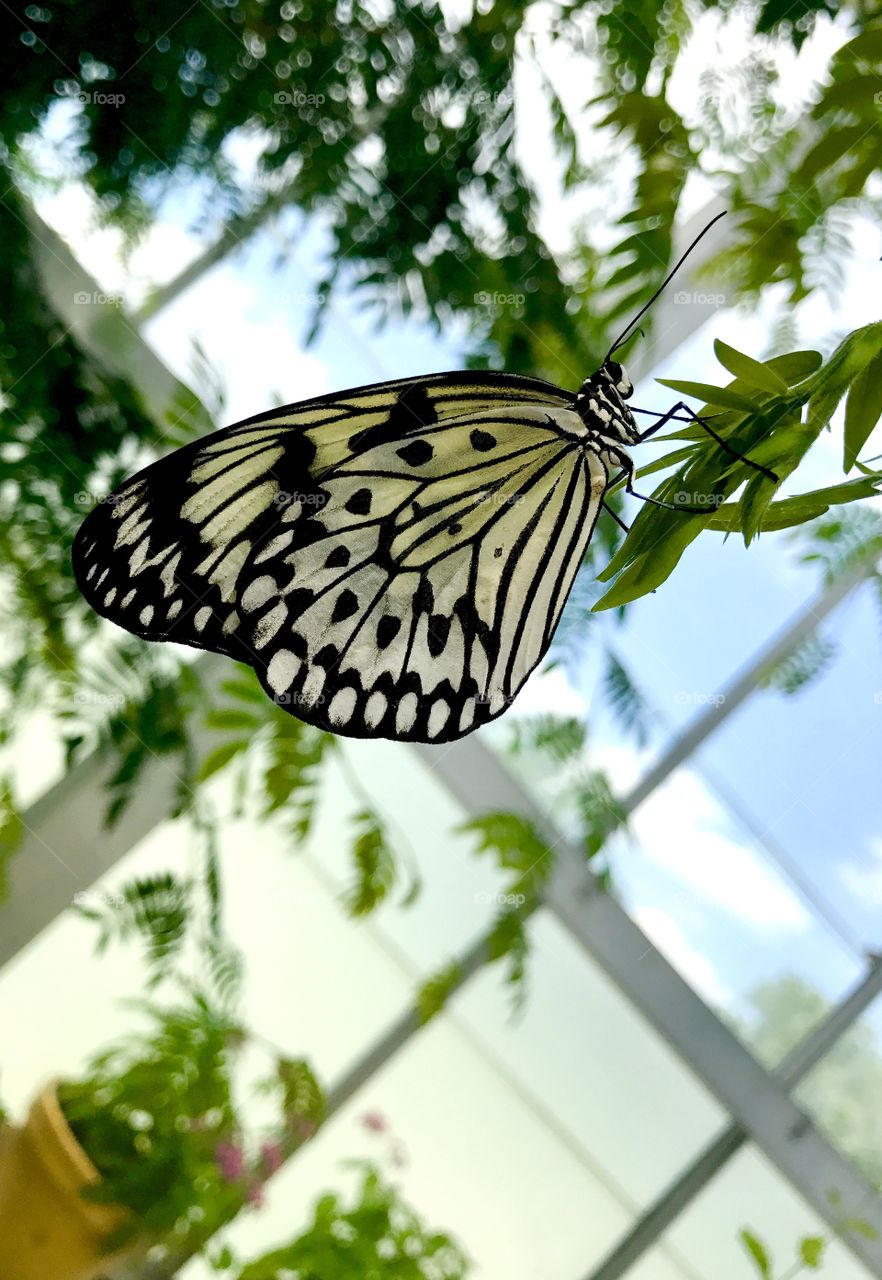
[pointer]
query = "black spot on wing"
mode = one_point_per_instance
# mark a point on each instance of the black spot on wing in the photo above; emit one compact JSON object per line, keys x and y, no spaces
{"x":416,"y":453}
{"x":424,"y":597}
{"x":347,"y":604}
{"x":338,"y":559}
{"x":328,"y":656}
{"x":387,"y":629}
{"x":439,"y":630}
{"x":483,"y":441}
{"x":412,"y":410}
{"x":360,"y":503}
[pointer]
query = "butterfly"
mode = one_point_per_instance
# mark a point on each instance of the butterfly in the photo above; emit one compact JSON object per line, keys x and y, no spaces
{"x":391,"y":560}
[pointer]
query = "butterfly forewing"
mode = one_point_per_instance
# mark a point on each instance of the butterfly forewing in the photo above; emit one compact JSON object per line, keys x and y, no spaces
{"x":415,"y":601}
{"x":163,"y":555}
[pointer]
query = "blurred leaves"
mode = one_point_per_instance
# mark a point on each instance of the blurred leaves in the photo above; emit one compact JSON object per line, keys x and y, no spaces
{"x":11,"y":832}
{"x":376,"y":1234}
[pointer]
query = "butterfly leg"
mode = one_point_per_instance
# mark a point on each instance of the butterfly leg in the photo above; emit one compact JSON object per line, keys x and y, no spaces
{"x":627,"y":470}
{"x":694,"y":417}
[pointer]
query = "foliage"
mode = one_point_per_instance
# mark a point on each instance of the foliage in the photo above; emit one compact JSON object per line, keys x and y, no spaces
{"x":802,"y":666}
{"x":437,"y":990}
{"x":157,"y":1116}
{"x":374,"y":865}
{"x":151,"y":1114}
{"x":769,"y":415}
{"x":625,"y":700}
{"x":375,"y":1237}
{"x":11,"y":832}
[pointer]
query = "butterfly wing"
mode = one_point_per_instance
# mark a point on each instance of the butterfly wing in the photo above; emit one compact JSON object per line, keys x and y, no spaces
{"x":415,"y":601}
{"x":163,"y":555}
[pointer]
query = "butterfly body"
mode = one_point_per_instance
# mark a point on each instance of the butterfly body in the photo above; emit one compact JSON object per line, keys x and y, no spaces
{"x":391,"y":560}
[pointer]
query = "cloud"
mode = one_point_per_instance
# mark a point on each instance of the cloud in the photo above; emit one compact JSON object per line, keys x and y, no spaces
{"x":863,"y":879}
{"x":549,"y":693}
{"x":665,"y":933}
{"x":678,"y":829}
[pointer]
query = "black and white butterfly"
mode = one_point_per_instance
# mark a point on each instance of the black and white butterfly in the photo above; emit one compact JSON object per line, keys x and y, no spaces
{"x":391,"y":560}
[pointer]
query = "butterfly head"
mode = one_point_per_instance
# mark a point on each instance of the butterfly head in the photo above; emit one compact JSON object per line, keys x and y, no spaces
{"x":602,"y":402}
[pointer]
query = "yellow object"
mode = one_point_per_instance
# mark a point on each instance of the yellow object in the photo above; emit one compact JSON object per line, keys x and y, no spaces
{"x":47,"y":1230}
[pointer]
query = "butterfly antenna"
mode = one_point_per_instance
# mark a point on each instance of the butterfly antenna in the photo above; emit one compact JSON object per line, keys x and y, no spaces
{"x":664,"y":284}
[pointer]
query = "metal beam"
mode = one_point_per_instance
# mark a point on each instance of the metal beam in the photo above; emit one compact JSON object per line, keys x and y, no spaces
{"x":664,"y":1210}
{"x":758,"y":1102}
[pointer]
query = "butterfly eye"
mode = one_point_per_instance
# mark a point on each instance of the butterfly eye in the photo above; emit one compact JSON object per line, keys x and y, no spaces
{"x":614,"y":370}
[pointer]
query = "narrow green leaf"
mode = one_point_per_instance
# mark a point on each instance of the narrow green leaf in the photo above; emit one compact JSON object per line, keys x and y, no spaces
{"x":863,"y":409}
{"x":794,"y":366}
{"x":711,"y":395}
{"x":749,"y":370}
{"x":231,"y":718}
{"x":220,"y":757}
{"x":758,"y":1253}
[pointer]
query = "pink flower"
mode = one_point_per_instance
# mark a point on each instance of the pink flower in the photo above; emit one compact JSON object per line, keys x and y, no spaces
{"x":374,"y":1121}
{"x":272,"y":1156}
{"x":230,"y":1160}
{"x":255,"y":1195}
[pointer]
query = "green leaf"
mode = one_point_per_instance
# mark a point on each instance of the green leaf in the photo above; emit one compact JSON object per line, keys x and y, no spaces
{"x":863,"y":409}
{"x":11,"y":833}
{"x":710,"y":395}
{"x":220,"y":757}
{"x":811,"y":1251}
{"x":231,"y":718}
{"x":514,"y":840}
{"x":753,"y":372}
{"x":758,"y":1253}
{"x":374,"y":865}
{"x":437,"y":990}
{"x":799,"y":509}
{"x":796,"y":365}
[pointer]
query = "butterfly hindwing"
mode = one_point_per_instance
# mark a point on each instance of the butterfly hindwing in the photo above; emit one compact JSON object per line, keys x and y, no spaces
{"x":163,"y":555}
{"x":415,"y":600}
